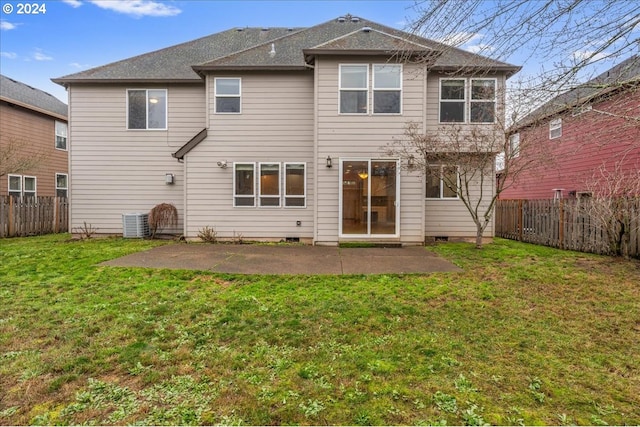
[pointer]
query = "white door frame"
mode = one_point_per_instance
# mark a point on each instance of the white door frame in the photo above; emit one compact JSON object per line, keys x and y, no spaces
{"x":369,"y":160}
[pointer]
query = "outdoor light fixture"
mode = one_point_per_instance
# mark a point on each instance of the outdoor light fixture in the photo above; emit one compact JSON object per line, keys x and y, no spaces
{"x":169,"y":178}
{"x":329,"y":162}
{"x":222,"y":164}
{"x":411,"y":161}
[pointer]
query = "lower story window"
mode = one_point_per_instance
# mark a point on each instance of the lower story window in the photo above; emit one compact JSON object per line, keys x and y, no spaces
{"x":20,"y":186}
{"x":244,"y":184}
{"x":62,"y":185}
{"x":15,"y":185}
{"x":277,"y":184}
{"x":442,"y":182}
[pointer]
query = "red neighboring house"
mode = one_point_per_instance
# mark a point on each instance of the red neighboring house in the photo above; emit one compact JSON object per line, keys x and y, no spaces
{"x":578,"y":133}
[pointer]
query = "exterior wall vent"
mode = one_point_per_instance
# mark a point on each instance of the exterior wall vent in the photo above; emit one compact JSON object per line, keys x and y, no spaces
{"x":135,"y":225}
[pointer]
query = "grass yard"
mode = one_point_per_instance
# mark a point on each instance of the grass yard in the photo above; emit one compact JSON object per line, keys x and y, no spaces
{"x":525,"y":335}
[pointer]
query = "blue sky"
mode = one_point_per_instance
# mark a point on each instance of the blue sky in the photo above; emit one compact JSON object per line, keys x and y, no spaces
{"x":76,"y":35}
{"x":67,"y":36}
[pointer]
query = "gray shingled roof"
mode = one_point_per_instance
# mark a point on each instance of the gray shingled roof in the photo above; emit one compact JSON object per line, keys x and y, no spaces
{"x":250,"y":48}
{"x":618,"y":77}
{"x":22,"y":94}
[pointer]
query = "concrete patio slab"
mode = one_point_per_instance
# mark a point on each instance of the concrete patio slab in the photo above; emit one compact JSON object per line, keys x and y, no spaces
{"x":287,"y":259}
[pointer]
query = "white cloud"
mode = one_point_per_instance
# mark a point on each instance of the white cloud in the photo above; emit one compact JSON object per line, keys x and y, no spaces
{"x":73,"y":3}
{"x":589,"y":55}
{"x":38,"y":55}
{"x":6,"y":26}
{"x":80,"y":66}
{"x":480,"y":48}
{"x":138,"y":8}
{"x":458,"y":39}
{"x":8,"y":55}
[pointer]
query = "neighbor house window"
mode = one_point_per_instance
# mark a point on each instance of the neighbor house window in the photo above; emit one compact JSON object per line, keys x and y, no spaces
{"x":387,"y":89}
{"x":227,"y":94}
{"x":354,"y":86}
{"x":29,"y":186}
{"x":15,"y":185}
{"x":555,"y":128}
{"x":61,"y":135}
{"x":147,"y":109}
{"x":514,"y":145}
{"x":270,"y":184}
{"x":244,"y":184}
{"x":62,"y":185}
{"x":482,"y":107}
{"x":452,"y":100}
{"x":295,"y":185}
{"x":439,"y":179}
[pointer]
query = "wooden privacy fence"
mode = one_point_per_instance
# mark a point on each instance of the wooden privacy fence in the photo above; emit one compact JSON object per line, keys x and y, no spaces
{"x":579,"y":225}
{"x":29,"y":216}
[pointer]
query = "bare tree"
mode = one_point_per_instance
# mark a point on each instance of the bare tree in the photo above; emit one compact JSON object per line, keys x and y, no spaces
{"x":14,"y":159}
{"x":564,"y":40}
{"x":471,"y":152}
{"x":613,"y":203}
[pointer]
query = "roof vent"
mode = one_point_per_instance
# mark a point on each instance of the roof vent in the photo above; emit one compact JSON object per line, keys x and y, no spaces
{"x":366,"y":29}
{"x":355,"y":19}
{"x":239,"y":29}
{"x":341,"y":19}
{"x":265,"y":29}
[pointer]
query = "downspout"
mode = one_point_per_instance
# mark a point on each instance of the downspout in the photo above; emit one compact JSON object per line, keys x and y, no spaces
{"x":316,"y":164}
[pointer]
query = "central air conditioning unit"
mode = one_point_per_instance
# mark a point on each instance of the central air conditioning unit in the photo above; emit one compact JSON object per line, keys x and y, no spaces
{"x":135,"y":225}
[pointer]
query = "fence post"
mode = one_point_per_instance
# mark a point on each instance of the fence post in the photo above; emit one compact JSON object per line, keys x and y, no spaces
{"x":561,"y":224}
{"x":520,"y":220}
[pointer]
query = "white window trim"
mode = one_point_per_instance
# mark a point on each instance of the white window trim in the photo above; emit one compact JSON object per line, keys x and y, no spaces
{"x":30,"y":193}
{"x":374,"y":89}
{"x":62,"y":188}
{"x":495,"y":99}
{"x":295,"y":196}
{"x":235,"y":164}
{"x":66,"y":137}
{"x":216,"y":96}
{"x":146,"y":104}
{"x":464,"y":101}
{"x":555,"y":125}
{"x":514,"y":145}
{"x":442,"y":185}
{"x":366,"y":89}
{"x":279,"y":196}
{"x":9,"y":190}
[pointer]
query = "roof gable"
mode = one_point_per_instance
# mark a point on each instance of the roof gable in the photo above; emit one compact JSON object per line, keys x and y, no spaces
{"x":26,"y":96}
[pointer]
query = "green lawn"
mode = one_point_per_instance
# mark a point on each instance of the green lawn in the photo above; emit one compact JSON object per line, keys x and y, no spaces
{"x":525,"y":335}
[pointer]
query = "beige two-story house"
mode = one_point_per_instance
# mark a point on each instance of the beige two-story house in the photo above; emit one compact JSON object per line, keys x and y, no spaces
{"x":278,"y":133}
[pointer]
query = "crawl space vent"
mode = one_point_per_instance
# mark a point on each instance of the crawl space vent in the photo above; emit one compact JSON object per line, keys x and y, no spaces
{"x":135,"y":225}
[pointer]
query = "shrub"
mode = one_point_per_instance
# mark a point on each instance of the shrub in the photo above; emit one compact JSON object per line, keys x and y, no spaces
{"x":161,"y":216}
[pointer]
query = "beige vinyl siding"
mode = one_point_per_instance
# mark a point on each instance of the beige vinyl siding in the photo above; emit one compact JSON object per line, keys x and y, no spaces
{"x":114,"y":170}
{"x":364,"y":136}
{"x":450,"y":218}
{"x":275,"y":125}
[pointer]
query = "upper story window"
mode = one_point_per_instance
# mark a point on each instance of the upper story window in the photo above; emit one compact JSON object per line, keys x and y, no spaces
{"x":483,"y":101}
{"x":439,"y":181}
{"x":227,"y":94}
{"x":147,"y":109}
{"x":354,"y":89}
{"x":555,"y":128}
{"x":61,"y":135}
{"x":452,"y":100}
{"x":62,"y":185}
{"x":387,"y":89}
{"x":455,"y":101}
{"x":514,"y":145}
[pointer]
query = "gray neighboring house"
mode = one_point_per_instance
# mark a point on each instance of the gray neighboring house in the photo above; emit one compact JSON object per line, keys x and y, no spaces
{"x":277,"y":133}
